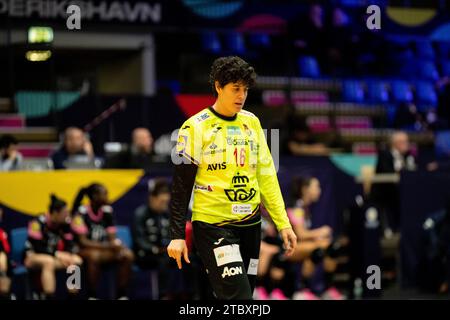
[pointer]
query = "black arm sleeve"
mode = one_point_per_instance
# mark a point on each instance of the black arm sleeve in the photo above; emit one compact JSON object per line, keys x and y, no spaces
{"x":183,"y":181}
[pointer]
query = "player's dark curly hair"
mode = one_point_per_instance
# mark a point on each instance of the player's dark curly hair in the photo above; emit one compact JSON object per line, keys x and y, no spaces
{"x":231,"y":69}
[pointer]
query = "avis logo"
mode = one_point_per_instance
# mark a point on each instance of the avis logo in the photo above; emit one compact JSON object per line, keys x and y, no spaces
{"x":216,"y":166}
{"x":232,"y":271}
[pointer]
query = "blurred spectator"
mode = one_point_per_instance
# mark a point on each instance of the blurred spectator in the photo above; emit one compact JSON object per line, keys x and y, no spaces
{"x":407,"y":117}
{"x":434,"y":274}
{"x":76,"y":148}
{"x":308,"y":33}
{"x":301,"y":141}
{"x":151,"y":237}
{"x":96,"y":234}
{"x":316,"y":246}
{"x":138,"y":156}
{"x":372,"y":57}
{"x":443,"y":109}
{"x":10,"y":157}
{"x":340,"y":38}
{"x":396,"y":158}
{"x":50,"y":245}
{"x":5,"y":271}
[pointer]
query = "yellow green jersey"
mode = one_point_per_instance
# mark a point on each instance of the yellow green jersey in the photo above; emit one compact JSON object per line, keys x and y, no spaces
{"x":235,"y":169}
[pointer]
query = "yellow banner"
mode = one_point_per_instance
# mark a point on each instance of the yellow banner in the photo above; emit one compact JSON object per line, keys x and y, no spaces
{"x":29,"y":192}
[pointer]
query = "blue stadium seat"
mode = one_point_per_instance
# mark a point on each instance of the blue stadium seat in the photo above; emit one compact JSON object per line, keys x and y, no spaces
{"x":426,"y":69}
{"x":425,"y":93}
{"x":211,"y":42}
{"x":377,"y":91}
{"x":442,"y":144}
{"x":308,"y":67}
{"x":18,"y":237}
{"x":123,"y":233}
{"x":424,"y":49}
{"x":443,"y":49}
{"x":353,"y":91}
{"x":261,"y":40}
{"x":445,"y":67}
{"x":401,"y":91}
{"x":235,"y":42}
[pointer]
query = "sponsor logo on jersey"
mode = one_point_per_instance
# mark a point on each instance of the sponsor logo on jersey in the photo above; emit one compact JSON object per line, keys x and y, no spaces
{"x":233,"y":130}
{"x":216,"y":166}
{"x":240,"y":181}
{"x":231,"y":271}
{"x":238,"y":142}
{"x":253,"y":267}
{"x":214,"y":151}
{"x":213,"y":146}
{"x":240,"y":195}
{"x":202,"y":117}
{"x":241,"y":208}
{"x":204,"y":188}
{"x":185,"y":127}
{"x":227,"y":254}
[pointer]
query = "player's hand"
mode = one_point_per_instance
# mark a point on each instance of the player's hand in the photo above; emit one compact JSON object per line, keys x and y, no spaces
{"x":289,"y":240}
{"x":175,"y":249}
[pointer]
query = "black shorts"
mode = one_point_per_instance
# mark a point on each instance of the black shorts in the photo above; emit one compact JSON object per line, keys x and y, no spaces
{"x":230,"y":255}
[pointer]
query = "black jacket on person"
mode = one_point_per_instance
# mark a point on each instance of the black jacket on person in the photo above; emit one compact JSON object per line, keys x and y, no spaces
{"x":386,"y":162}
{"x":150,"y":232}
{"x":387,"y":195}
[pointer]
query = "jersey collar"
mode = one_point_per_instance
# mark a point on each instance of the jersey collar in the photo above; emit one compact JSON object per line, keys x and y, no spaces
{"x":222,"y":116}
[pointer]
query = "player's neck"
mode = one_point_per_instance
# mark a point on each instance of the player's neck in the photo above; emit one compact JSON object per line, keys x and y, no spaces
{"x":219,"y":108}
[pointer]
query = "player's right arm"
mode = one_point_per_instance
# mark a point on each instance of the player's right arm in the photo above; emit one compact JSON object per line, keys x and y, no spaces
{"x":187,"y":151}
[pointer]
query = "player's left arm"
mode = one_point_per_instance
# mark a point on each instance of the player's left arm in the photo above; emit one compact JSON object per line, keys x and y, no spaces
{"x":271,"y":194}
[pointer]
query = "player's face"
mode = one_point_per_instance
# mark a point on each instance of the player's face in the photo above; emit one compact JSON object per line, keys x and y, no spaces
{"x":232,"y":97}
{"x":314,"y":190}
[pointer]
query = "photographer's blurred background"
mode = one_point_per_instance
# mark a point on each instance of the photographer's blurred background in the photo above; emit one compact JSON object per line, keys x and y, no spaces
{"x":361,"y":102}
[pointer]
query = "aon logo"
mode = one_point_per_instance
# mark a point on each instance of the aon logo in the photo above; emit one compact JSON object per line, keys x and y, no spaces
{"x":232,"y":271}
